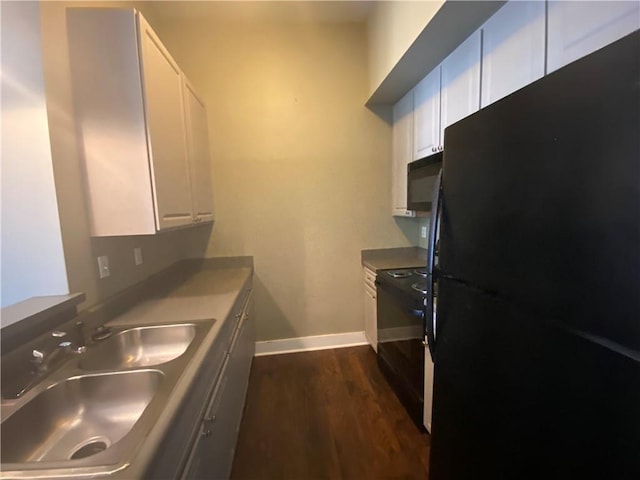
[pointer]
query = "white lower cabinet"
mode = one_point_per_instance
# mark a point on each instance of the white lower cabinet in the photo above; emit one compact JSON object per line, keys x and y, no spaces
{"x":513,"y":43}
{"x":428,"y":389}
{"x":577,"y":28}
{"x":212,"y":455}
{"x":370,"y":308}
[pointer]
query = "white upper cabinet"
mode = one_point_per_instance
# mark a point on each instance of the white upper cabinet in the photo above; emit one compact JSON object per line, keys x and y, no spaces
{"x":199,"y":155}
{"x":513,"y":43}
{"x":426,"y":115}
{"x":166,"y":128}
{"x":577,"y":28}
{"x":142,"y":131}
{"x":460,"y":94}
{"x":447,"y":94}
{"x":402,"y":154}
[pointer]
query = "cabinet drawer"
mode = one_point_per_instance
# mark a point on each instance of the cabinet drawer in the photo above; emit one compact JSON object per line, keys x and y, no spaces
{"x":208,"y":457}
{"x":218,"y":391}
{"x":369,"y":277}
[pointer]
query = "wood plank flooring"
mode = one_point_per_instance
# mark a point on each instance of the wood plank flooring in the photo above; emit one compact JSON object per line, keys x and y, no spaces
{"x":326,"y":414}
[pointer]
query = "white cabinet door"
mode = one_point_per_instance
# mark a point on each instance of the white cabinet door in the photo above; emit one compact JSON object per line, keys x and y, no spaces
{"x":577,"y":28}
{"x":401,"y":154}
{"x":428,"y":389}
{"x":370,"y":308}
{"x":210,"y":456}
{"x":162,"y":82}
{"x":199,"y":155}
{"x":460,"y":83}
{"x":110,"y":119}
{"x":426,"y":115}
{"x":371,"y":316}
{"x":513,"y":43}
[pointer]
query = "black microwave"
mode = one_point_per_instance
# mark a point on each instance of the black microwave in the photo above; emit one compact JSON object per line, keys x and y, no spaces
{"x":421,"y":177}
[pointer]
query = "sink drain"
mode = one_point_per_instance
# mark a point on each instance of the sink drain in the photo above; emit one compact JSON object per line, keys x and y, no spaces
{"x":91,"y":448}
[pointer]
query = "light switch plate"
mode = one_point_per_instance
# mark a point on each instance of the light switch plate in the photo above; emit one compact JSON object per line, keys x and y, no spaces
{"x":423,"y":232}
{"x":103,"y":266}
{"x":137,"y":255}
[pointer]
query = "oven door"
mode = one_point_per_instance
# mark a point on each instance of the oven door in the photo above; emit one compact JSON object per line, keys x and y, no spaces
{"x":401,"y":351}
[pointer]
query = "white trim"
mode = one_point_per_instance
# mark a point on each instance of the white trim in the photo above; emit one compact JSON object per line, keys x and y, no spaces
{"x":307,"y":344}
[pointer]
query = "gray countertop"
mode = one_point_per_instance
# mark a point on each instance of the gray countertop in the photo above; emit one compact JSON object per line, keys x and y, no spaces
{"x":209,"y":293}
{"x":386,"y":258}
{"x":206,"y":290}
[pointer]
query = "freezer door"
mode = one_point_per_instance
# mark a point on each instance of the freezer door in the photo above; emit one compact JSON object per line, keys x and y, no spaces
{"x":516,"y":397}
{"x":541,"y":196}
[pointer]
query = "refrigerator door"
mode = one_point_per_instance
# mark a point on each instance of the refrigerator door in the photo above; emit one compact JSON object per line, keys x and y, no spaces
{"x":517,"y":397}
{"x":541,"y":196}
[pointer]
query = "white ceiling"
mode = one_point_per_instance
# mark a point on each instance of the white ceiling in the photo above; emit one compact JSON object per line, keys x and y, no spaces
{"x":261,"y":11}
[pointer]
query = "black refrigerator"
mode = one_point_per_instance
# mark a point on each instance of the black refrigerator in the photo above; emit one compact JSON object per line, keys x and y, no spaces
{"x":536,"y":341}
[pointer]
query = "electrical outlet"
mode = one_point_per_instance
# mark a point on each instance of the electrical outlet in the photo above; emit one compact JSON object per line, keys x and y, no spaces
{"x":423,"y":232}
{"x":103,"y":266}
{"x":137,"y":255}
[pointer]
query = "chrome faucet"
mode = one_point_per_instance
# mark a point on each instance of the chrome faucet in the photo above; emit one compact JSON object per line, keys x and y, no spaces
{"x":42,"y":362}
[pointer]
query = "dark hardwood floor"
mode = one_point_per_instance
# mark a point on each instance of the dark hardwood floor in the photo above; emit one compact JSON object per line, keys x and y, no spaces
{"x":326,"y":414}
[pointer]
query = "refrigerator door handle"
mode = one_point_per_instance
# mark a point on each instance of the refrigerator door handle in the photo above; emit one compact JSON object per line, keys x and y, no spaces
{"x":433,"y":224}
{"x":431,"y":246}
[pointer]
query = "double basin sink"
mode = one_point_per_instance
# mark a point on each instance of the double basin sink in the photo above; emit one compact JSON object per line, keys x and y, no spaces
{"x":91,"y":415}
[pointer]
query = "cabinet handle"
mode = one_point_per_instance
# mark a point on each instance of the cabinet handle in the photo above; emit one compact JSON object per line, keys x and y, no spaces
{"x":206,"y":426}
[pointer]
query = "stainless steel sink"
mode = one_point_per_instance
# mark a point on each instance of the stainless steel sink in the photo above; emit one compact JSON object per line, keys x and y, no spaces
{"x":80,"y":424}
{"x":140,"y":347}
{"x":78,"y":417}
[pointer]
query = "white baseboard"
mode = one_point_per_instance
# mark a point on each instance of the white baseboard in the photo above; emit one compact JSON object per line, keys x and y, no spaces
{"x":307,"y":344}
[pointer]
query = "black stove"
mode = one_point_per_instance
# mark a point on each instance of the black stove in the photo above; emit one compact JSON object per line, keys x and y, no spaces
{"x":421,"y":271}
{"x":411,"y":281}
{"x":420,"y":287}
{"x":404,"y":273}
{"x":401,"y":301}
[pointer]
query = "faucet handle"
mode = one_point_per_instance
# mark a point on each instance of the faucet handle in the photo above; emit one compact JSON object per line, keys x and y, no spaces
{"x":37,"y":355}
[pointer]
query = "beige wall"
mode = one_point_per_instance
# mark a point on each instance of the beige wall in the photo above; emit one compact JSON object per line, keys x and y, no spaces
{"x":392,"y":27}
{"x":80,"y":250}
{"x":301,"y":167}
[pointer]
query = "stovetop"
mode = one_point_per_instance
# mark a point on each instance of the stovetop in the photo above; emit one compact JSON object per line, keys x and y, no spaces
{"x":410,"y":280}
